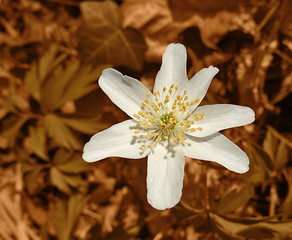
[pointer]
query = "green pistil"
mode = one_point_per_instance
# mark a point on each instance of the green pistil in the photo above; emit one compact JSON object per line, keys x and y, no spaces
{"x":168,"y":120}
{"x":165,"y":118}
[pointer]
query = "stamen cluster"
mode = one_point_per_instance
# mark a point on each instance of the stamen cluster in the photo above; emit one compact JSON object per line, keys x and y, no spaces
{"x":165,"y":119}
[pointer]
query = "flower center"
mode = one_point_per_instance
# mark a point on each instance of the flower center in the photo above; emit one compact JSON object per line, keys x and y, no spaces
{"x":166,"y":116}
{"x":168,"y":121}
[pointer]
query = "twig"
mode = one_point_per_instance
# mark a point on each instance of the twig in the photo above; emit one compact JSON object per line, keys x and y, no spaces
{"x":274,"y":199}
{"x":65,"y":2}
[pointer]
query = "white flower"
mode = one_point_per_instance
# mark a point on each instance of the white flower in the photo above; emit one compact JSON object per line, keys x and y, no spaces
{"x":168,"y":125}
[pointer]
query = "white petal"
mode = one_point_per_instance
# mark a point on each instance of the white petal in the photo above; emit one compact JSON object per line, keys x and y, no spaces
{"x":221,"y":116}
{"x":116,"y":141}
{"x":173,"y":69}
{"x":199,"y":84}
{"x":217,"y":148}
{"x":126,"y":92}
{"x":165,"y":174}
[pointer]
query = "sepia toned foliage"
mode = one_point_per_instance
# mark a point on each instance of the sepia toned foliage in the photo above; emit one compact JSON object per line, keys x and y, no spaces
{"x":51,"y":56}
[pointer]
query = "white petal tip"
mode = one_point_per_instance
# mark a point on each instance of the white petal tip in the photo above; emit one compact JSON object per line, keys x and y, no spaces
{"x":89,"y":158}
{"x":242,"y":170}
{"x":251,"y":115}
{"x":108,"y":73}
{"x":89,"y":155}
{"x":176,"y":49}
{"x":240,"y":167}
{"x":213,"y":70}
{"x":160,"y":205}
{"x":176,"y":45}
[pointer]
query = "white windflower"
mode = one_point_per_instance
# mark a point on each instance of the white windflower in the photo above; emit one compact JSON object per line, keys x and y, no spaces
{"x":168,"y":125}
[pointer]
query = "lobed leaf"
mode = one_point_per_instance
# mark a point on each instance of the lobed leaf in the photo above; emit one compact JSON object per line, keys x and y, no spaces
{"x":254,"y":228}
{"x":287,"y":204}
{"x":69,"y":84}
{"x":277,"y":147}
{"x":84,"y":124}
{"x":41,"y":70}
{"x":62,"y":134}
{"x":31,"y":173}
{"x":64,"y":181}
{"x":66,"y":215}
{"x":69,"y":162}
{"x":38,"y":139}
{"x":53,"y":83}
{"x":233,"y":200}
{"x":260,"y":165}
{"x":11,"y":128}
{"x":102,"y":39}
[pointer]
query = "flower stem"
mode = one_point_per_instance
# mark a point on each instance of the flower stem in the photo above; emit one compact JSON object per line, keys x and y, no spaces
{"x":205,"y":178}
{"x":188,"y":207}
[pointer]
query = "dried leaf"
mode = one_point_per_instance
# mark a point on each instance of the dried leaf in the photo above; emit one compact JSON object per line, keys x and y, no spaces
{"x":254,"y":228}
{"x":66,"y":216}
{"x":69,"y":84}
{"x":64,"y":181}
{"x":12,"y":126}
{"x":277,"y":147}
{"x":52,"y":83}
{"x":39,"y":71}
{"x":103,"y":40}
{"x":38,"y":139}
{"x":287,"y":204}
{"x":69,"y":162}
{"x":84,"y":124}
{"x":260,"y":165}
{"x":31,"y":172}
{"x":124,"y":233}
{"x":154,"y":20}
{"x":62,"y":134}
{"x":233,"y":200}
